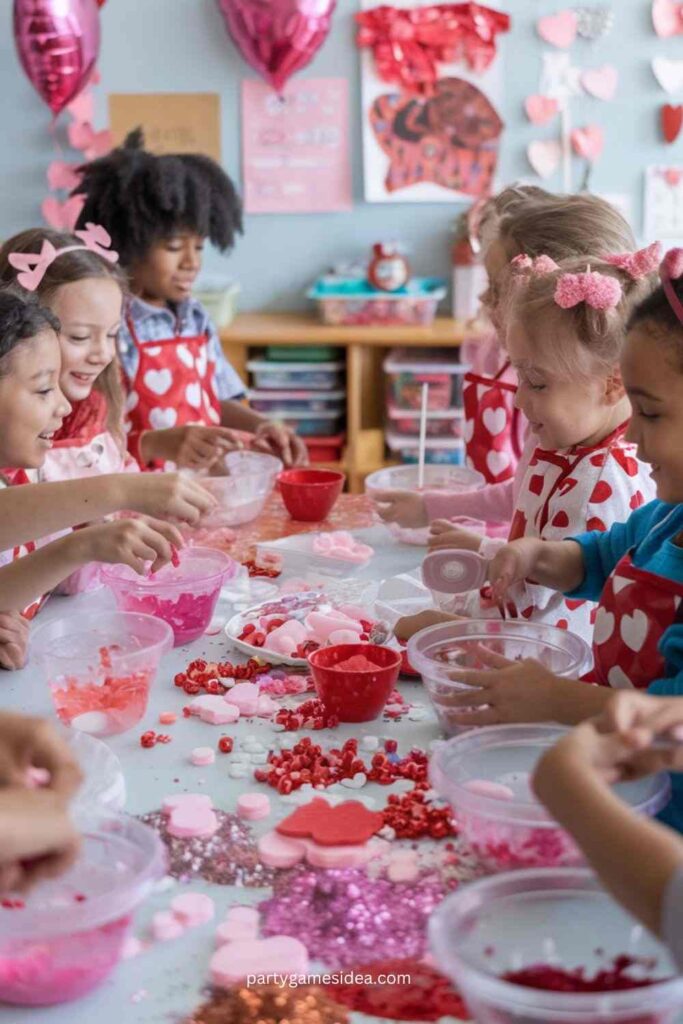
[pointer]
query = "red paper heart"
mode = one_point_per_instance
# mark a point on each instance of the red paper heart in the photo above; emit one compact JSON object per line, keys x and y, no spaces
{"x":672,"y":121}
{"x":347,"y":824}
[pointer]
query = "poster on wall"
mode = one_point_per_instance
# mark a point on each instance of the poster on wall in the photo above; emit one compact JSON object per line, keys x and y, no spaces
{"x":438,"y":146}
{"x":173,"y":122}
{"x":664,"y":204}
{"x":295,"y":147}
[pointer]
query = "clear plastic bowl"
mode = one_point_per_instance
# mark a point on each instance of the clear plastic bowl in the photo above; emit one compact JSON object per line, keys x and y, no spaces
{"x":512,"y":829}
{"x":100,"y":667}
{"x":104,"y":786}
{"x":184,"y":596}
{"x":243,"y":492}
{"x":445,"y":478}
{"x":560,"y":916}
{"x":69,"y":935}
{"x":435,"y":652}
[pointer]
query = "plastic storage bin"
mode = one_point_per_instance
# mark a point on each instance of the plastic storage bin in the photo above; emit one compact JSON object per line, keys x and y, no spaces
{"x":439,"y":451}
{"x":325,"y":449}
{"x":279,"y":404}
{"x":296,"y":375}
{"x":220,"y":303}
{"x":448,"y":423}
{"x":407,"y":370}
{"x":352,"y":301}
{"x":318,"y":424}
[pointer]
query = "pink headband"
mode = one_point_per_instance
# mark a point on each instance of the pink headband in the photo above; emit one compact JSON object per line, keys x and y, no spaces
{"x":597,"y":290}
{"x":637,"y":264}
{"x":33,"y":265}
{"x":670,"y":270}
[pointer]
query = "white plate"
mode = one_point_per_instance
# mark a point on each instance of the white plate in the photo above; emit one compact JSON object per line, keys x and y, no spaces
{"x":235,"y":626}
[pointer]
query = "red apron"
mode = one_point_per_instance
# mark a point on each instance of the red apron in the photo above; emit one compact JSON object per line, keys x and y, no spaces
{"x":635,"y":610}
{"x":492,"y":425}
{"x":173,"y":385}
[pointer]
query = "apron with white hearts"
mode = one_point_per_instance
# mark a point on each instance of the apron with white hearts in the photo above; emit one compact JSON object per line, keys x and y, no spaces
{"x":84,"y":446}
{"x":636,"y":608}
{"x":493,"y":426}
{"x":14,"y":477}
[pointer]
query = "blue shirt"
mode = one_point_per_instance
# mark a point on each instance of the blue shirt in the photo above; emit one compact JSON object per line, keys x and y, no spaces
{"x":188,"y":319}
{"x":649,"y":534}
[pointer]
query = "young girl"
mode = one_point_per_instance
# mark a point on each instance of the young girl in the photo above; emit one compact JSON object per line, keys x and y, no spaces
{"x":522,"y":221}
{"x":635,"y":569}
{"x":159,"y":210}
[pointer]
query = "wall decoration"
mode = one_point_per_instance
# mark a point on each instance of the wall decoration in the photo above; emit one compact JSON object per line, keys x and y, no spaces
{"x":173,"y":122}
{"x":278,"y":37}
{"x":667,"y":17}
{"x":558,"y":29}
{"x":664,"y":203}
{"x":544,"y":156}
{"x":541,"y":109}
{"x":594,"y":22}
{"x":601,"y":83}
{"x":588,"y":142}
{"x":295,"y":149}
{"x":669,"y":73}
{"x":561,"y":81}
{"x":671,"y":117}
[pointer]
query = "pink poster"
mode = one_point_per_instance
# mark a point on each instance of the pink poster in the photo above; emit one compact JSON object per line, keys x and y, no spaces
{"x":295,"y":148}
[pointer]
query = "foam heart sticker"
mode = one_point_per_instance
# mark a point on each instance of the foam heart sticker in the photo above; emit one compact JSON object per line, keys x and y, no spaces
{"x":672,"y":121}
{"x":541,"y":109}
{"x":667,"y":17}
{"x":347,"y":824}
{"x":544,"y":156}
{"x":588,"y":142}
{"x":558,"y":29}
{"x":601,"y":82}
{"x":279,"y":955}
{"x":669,"y":73}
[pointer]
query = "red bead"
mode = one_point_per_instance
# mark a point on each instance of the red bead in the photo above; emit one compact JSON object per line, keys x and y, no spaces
{"x":148,"y":739}
{"x":225,"y":744}
{"x":180,"y":679}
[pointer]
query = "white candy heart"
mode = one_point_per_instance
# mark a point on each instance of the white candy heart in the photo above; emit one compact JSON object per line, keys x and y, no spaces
{"x":185,"y":356}
{"x":160,"y":419}
{"x":669,"y":73}
{"x":158,"y":381}
{"x":618,"y":679}
{"x":604,"y":627}
{"x":193,"y":395}
{"x":634,"y":629}
{"x":496,"y":462}
{"x":495,"y":420}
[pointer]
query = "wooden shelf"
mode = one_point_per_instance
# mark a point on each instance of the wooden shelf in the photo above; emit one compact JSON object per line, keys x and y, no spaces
{"x":300,"y":329}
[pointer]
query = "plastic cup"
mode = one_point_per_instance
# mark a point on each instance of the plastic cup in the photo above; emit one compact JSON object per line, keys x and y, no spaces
{"x":557,"y":916}
{"x":355,"y":696}
{"x":69,"y":935}
{"x":485,"y":774}
{"x":310,"y":494}
{"x":184,"y":596}
{"x":243,"y":492}
{"x":100,"y":667}
{"x":437,"y":651}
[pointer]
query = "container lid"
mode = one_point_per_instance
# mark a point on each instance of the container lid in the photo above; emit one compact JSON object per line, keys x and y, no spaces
{"x":275,"y":367}
{"x":454,"y":572}
{"x":296,"y":396}
{"x":307,"y":414}
{"x":399,"y":442}
{"x":401,"y":360}
{"x":395,"y":413}
{"x":334,"y":286}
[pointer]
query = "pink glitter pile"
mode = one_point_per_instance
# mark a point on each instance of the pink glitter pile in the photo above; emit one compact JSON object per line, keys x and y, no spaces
{"x":228,"y":857}
{"x":345,"y":918}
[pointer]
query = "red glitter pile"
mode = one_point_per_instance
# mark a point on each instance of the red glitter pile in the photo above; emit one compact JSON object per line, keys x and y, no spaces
{"x":255,"y":570}
{"x":312,"y":714}
{"x":411,"y":816}
{"x":610,"y":979}
{"x":205,"y":677}
{"x":306,"y":762}
{"x":427,"y":997}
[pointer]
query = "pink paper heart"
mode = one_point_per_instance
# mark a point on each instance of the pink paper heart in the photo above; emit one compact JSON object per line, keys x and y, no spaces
{"x":558,"y":29}
{"x":601,"y":82}
{"x":62,"y":216}
{"x":279,"y":954}
{"x":673,"y":177}
{"x":93,"y":144}
{"x":82,"y":109}
{"x":544,"y":156}
{"x":588,"y":142}
{"x":62,"y":175}
{"x":667,"y":18}
{"x":540,"y":109}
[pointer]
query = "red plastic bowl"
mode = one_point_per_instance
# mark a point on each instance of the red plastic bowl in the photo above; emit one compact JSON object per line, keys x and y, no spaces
{"x":310,"y":494}
{"x":355,"y":696}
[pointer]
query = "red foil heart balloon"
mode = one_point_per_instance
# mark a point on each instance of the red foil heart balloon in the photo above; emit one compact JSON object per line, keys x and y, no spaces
{"x":278,"y":37}
{"x":58,"y":42}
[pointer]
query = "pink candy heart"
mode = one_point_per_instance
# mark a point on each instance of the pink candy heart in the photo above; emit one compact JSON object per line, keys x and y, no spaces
{"x":558,"y":29}
{"x":216,"y":710}
{"x":540,"y":109}
{"x":277,"y":851}
{"x":190,"y":815}
{"x":279,"y":954}
{"x":245,"y":697}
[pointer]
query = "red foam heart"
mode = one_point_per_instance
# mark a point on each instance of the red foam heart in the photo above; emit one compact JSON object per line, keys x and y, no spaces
{"x":347,"y":824}
{"x":672,"y":121}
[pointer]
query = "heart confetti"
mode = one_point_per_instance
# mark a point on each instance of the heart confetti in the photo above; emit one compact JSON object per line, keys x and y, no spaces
{"x":594,"y":22}
{"x":601,"y":82}
{"x":544,"y":156}
{"x":672,"y":121}
{"x":558,"y":29}
{"x":541,"y":109}
{"x":349,"y":823}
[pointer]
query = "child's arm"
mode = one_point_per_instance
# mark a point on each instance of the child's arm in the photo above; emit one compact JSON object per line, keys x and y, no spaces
{"x":132,"y":542}
{"x":493,"y":504}
{"x":269,"y":436}
{"x":558,"y":565}
{"x":27,"y":742}
{"x":189,"y":447}
{"x":38,"y":839}
{"x":14,"y":630}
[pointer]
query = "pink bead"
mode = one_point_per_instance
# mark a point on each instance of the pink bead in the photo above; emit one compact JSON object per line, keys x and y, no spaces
{"x":253,"y":806}
{"x":167,"y":718}
{"x":235,"y":931}
{"x":193,"y":908}
{"x":166,"y":926}
{"x":202,"y":756}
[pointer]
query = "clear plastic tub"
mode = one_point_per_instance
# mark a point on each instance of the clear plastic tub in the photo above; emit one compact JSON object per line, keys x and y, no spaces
{"x":559,"y":916}
{"x":103,"y":787}
{"x":184,"y":596}
{"x":437,"y":651}
{"x":244,"y":491}
{"x":446,"y":423}
{"x":353,"y":302}
{"x":298,"y":557}
{"x":68,"y":937}
{"x":407,"y":370}
{"x":485,"y":776}
{"x":100,"y":667}
{"x":296,"y":375}
{"x":439,"y":451}
{"x":280,"y":404}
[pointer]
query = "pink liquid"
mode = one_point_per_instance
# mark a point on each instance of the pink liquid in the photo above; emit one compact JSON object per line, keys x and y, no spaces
{"x":502,"y":847}
{"x":188,"y":615}
{"x":116,"y":705}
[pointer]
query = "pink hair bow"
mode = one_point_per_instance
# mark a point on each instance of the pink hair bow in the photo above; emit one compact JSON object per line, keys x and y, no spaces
{"x":32,"y":266}
{"x":539,"y":265}
{"x":597,"y":290}
{"x":637,"y":264}
{"x":670,"y":270}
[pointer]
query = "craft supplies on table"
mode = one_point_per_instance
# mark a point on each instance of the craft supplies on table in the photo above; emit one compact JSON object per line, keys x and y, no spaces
{"x":353,"y":301}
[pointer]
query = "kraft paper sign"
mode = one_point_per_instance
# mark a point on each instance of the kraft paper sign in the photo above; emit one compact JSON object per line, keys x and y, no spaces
{"x":173,"y":122}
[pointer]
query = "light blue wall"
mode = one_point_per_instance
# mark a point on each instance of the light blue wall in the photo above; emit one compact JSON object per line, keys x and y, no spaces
{"x":181,"y":45}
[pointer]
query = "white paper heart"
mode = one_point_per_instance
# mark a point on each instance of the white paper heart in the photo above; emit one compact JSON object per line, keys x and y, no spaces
{"x":601,"y":82}
{"x":185,"y":356}
{"x":634,"y":629}
{"x":544,"y":156}
{"x":193,"y":395}
{"x":495,"y":420}
{"x":669,"y":73}
{"x":618,"y":679}
{"x":604,"y":627}
{"x":161,"y":419}
{"x":496,"y":462}
{"x":158,"y":381}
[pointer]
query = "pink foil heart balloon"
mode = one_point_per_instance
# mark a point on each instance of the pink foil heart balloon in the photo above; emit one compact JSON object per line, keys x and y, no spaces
{"x":58,"y":42}
{"x":278,"y":37}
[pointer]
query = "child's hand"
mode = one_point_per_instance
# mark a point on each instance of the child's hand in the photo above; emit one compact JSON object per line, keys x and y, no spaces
{"x":513,"y":563}
{"x":199,"y":447}
{"x":32,"y":742}
{"x":409,"y":625}
{"x":133,"y":542}
{"x":38,"y":838}
{"x":402,"y":507}
{"x":444,"y":534}
{"x":14,"y":630}
{"x":276,"y":439}
{"x":167,"y":495}
{"x":650,"y":727}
